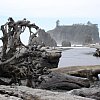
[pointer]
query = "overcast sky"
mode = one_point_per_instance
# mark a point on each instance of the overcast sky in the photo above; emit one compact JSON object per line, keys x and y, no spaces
{"x":46,"y":12}
{"x":50,"y":8}
{"x":58,"y":9}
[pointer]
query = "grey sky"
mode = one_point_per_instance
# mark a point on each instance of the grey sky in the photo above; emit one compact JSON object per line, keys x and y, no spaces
{"x":51,"y":8}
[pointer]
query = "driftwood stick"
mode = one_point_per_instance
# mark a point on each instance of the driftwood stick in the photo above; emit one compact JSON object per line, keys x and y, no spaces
{"x":7,"y":61}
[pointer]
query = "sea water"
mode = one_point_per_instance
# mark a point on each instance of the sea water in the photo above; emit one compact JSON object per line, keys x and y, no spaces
{"x":78,"y":56}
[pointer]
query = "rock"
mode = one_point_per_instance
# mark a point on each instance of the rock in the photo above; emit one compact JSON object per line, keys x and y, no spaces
{"x":66,"y":44}
{"x":45,"y":39}
{"x":76,"y":33}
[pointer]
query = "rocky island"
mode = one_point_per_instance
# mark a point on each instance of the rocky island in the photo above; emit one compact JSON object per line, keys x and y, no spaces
{"x":76,"y":33}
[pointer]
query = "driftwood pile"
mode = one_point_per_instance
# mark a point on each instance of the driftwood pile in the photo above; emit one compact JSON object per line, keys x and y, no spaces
{"x":30,"y":63}
{"x":19,"y":61}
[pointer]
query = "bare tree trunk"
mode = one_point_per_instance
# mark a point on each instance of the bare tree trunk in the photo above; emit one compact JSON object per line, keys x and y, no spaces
{"x":5,"y":41}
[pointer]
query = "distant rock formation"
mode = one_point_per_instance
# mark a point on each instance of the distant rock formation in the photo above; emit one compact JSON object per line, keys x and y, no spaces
{"x":76,"y":33}
{"x":66,"y":44}
{"x":45,"y":39}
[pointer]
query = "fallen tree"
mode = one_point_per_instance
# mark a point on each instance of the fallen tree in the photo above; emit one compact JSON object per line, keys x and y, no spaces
{"x":60,"y":81}
{"x":18,"y":61}
{"x":90,"y":72}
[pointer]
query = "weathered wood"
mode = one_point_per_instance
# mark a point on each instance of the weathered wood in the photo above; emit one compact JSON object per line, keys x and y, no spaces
{"x":93,"y":93}
{"x":7,"y":61}
{"x":4,"y":41}
{"x":19,"y":64}
{"x":63,"y":81}
{"x":25,"y":93}
{"x":3,"y":82}
{"x":90,"y":72}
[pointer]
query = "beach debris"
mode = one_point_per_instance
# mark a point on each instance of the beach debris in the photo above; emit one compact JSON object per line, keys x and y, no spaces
{"x":19,"y":61}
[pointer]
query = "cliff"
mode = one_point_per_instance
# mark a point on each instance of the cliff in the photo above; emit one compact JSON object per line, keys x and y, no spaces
{"x":76,"y":33}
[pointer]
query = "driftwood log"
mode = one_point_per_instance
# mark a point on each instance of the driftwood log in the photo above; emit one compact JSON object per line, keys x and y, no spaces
{"x":63,"y":82}
{"x":90,"y":72}
{"x":53,"y":81}
{"x":93,"y":93}
{"x":25,"y":93}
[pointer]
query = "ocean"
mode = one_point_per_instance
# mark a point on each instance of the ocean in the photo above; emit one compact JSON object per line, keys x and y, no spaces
{"x":78,"y":56}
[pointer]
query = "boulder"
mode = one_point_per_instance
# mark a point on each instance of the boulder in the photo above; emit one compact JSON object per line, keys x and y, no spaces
{"x":66,"y":44}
